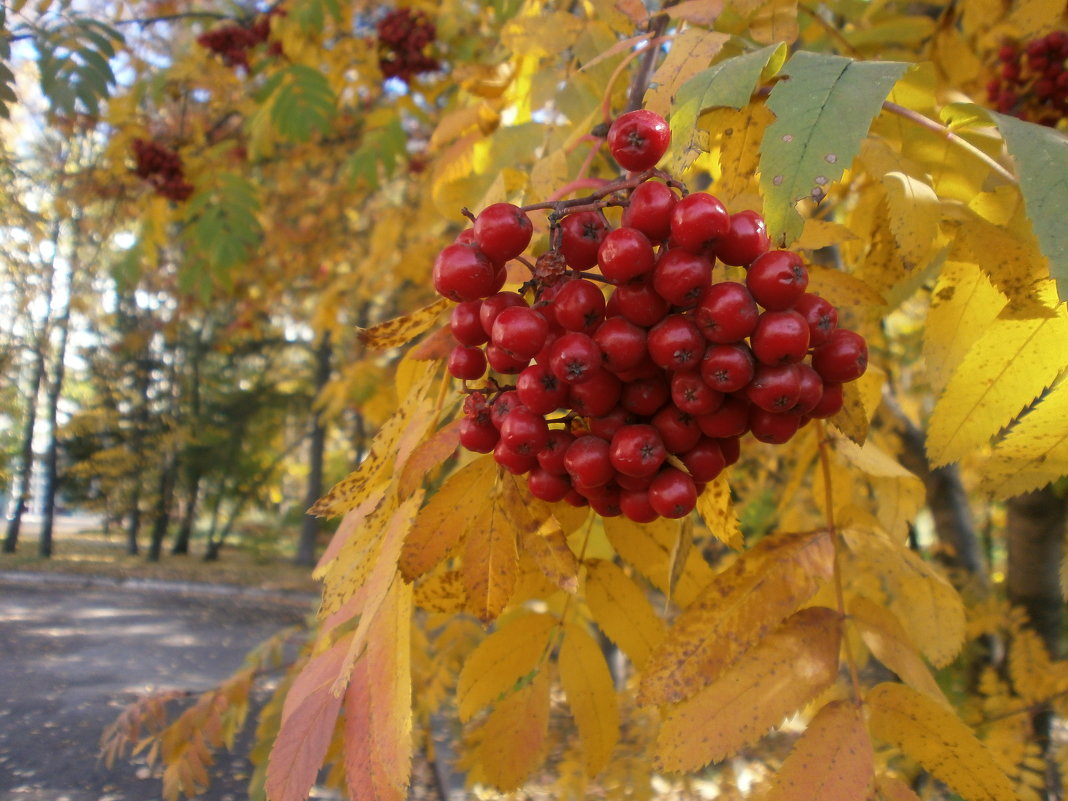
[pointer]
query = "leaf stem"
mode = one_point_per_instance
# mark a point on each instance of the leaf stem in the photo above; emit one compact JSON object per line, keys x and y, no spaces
{"x":839,"y":593}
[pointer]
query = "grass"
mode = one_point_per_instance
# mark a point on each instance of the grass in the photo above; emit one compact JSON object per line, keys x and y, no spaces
{"x":91,"y":553}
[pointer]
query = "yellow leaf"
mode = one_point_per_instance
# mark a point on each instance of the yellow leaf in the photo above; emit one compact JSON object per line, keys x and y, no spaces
{"x":490,"y":562}
{"x":622,"y":611}
{"x":507,"y":655}
{"x":441,"y":592}
{"x":1034,"y":452}
{"x":441,"y":524}
{"x":898,"y":494}
{"x":785,"y":670}
{"x":717,"y":510}
{"x":680,"y":552}
{"x":591,"y":694}
{"x":548,"y":175}
{"x":737,"y":608}
{"x":891,"y":788}
{"x":545,"y":34}
{"x":696,"y":12}
{"x":402,"y":330}
{"x":954,"y":57}
{"x":914,"y":217}
{"x":374,"y":470}
{"x":938,"y":740}
{"x":692,"y":51}
{"x":378,"y":705}
{"x":833,"y":759}
{"x":1030,"y":667}
{"x":648,"y":548}
{"x":1034,"y":18}
{"x":540,"y":534}
{"x":920,"y":597}
{"x":1006,"y":369}
{"x":840,"y":288}
{"x":514,"y":734}
{"x":963,"y":304}
{"x":1012,"y":260}
{"x":822,"y":234}
{"x":741,"y":131}
{"x":428,"y":455}
{"x":890,"y":643}
{"x":853,"y":418}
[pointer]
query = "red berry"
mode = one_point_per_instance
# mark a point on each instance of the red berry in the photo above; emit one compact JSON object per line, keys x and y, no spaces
{"x":729,"y":420}
{"x":605,"y":500}
{"x":822,"y":317}
{"x":637,"y":450}
{"x":775,"y":389}
{"x":478,"y":436}
{"x":638,"y":139}
{"x":732,"y":449}
{"x":546,"y":486}
{"x":646,"y":395}
{"x":676,"y":344}
{"x":503,"y":231}
{"x":672,"y":493}
{"x":551,"y":456}
{"x":780,"y":337}
{"x":524,"y":432}
{"x":519,"y":331}
{"x":587,"y":462}
{"x":513,"y":461}
{"x":771,"y":427}
{"x":502,"y":406}
{"x":606,"y":425}
{"x":579,"y":306}
{"x":501,"y":361}
{"x":635,"y":506}
{"x":811,"y":389}
{"x":692,"y":395}
{"x":494,"y":305}
{"x":625,"y":254}
{"x":575,"y":358}
{"x":677,"y":428}
{"x":727,"y":368}
{"x":595,"y":396}
{"x":680,"y":277}
{"x":699,"y":222}
{"x":468,"y":363}
{"x":540,"y":390}
{"x":649,"y":210}
{"x":777,"y":279}
{"x":705,"y":460}
{"x":843,"y":357}
{"x":463,"y":272}
{"x":746,"y":238}
{"x":465,"y":324}
{"x":640,"y":303}
{"x":581,"y":235}
{"x":726,"y":312}
{"x":622,"y":344}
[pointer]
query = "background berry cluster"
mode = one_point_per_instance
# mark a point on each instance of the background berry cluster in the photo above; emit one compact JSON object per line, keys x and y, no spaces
{"x":404,"y":35}
{"x":234,"y":41}
{"x":161,"y":167}
{"x":1032,"y":80}
{"x":631,"y":399}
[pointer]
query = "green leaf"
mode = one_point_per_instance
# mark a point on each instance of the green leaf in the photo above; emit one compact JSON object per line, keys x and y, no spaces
{"x":824,"y":109}
{"x":302,"y":104}
{"x":729,"y":83}
{"x":381,"y":148}
{"x":224,"y":227}
{"x":311,"y":14}
{"x":1041,"y":156}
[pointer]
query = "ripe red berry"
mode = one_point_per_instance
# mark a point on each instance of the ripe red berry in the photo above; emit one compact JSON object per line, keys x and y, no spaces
{"x":605,"y":500}
{"x":843,"y":357}
{"x":775,"y":389}
{"x":502,"y":406}
{"x":771,"y":427}
{"x":811,"y":389}
{"x":821,"y":315}
{"x":699,"y":222}
{"x":579,"y":306}
{"x":727,"y":368}
{"x":777,"y":279}
{"x":587,"y":462}
{"x":494,"y":305}
{"x":635,"y":506}
{"x":468,"y":363}
{"x":625,"y":254}
{"x":649,"y":210}
{"x":638,"y":139}
{"x":780,"y":337}
{"x":622,"y":344}
{"x":546,"y":486}
{"x":551,"y":456}
{"x":729,"y":420}
{"x":672,"y":493}
{"x":692,"y":395}
{"x":640,"y":303}
{"x":830,"y":402}
{"x":581,"y":235}
{"x":705,"y":460}
{"x":726,"y":313}
{"x":676,"y":344}
{"x":680,"y":277}
{"x":575,"y":358}
{"x":595,"y":396}
{"x":524,"y":431}
{"x":478,"y":436}
{"x":606,"y":425}
{"x":746,"y":238}
{"x":540,"y":390}
{"x":503,"y":231}
{"x":678,"y":429}
{"x":637,"y":450}
{"x":646,"y":395}
{"x":463,"y":272}
{"x":513,"y":461}
{"x":519,"y":331}
{"x":501,"y":361}
{"x":465,"y":324}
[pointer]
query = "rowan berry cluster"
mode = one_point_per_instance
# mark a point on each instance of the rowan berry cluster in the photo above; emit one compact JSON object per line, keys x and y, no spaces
{"x":162,"y":168}
{"x":403,"y":38}
{"x":234,"y":41}
{"x":631,"y":400}
{"x":1032,"y":81}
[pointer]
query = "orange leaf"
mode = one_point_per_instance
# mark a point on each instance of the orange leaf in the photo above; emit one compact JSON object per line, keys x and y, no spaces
{"x":427,"y":455}
{"x":833,"y":758}
{"x":378,"y":705}
{"x":401,"y":330}
{"x":513,"y":737}
{"x":784,"y":671}
{"x":738,"y":607}
{"x":622,"y":611}
{"x":490,"y":562}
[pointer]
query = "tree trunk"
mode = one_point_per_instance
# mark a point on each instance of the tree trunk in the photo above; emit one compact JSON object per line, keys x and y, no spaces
{"x":55,"y":389}
{"x":189,"y":511}
{"x":309,"y":531}
{"x":133,"y":521}
{"x":21,"y":489}
{"x":193,"y":472}
{"x":162,"y":515}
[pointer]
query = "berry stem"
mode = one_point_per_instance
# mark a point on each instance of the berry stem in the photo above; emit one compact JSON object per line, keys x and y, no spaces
{"x":825,"y":465}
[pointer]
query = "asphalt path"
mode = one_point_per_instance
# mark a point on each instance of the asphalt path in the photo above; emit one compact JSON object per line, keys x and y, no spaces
{"x":72,"y":657}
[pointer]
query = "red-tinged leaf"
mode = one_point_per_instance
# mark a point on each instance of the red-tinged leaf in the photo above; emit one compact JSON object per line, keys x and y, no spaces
{"x":833,"y":759}
{"x":378,"y":705}
{"x":738,"y":607}
{"x":514,"y":734}
{"x":490,"y":562}
{"x":591,"y":694}
{"x":696,"y":12}
{"x":891,"y":788}
{"x":779,"y":675}
{"x":622,"y":611}
{"x":439,"y":528}
{"x":308,"y":718}
{"x":508,"y":655}
{"x":936,"y":738}
{"x":351,"y":524}
{"x":428,"y":455}
{"x":401,"y":330}
{"x":435,"y":347}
